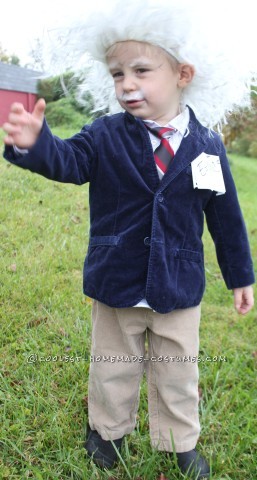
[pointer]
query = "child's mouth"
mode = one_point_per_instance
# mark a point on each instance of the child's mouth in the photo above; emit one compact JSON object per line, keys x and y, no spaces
{"x":134,"y":102}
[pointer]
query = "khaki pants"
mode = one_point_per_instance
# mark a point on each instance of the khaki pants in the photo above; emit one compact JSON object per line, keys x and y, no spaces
{"x":117,"y":365}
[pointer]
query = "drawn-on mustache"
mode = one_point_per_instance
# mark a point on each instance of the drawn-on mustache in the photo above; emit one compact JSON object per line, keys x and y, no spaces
{"x":128,"y":97}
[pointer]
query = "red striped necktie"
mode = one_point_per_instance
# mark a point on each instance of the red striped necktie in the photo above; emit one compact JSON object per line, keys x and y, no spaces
{"x":164,"y":153}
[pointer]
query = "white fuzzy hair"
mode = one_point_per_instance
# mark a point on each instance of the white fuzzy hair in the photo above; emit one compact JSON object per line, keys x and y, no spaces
{"x":198,"y":32}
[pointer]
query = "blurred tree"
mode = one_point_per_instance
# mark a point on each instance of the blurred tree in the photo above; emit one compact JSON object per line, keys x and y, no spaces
{"x":3,"y":55}
{"x":15,"y":60}
{"x":6,"y":58}
{"x":240,"y":134}
{"x":36,"y":54}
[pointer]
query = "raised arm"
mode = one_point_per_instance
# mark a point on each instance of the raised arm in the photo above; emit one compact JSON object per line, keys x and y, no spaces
{"x":42,"y":152}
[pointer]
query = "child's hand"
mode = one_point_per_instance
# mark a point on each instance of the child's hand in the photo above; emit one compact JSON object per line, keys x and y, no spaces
{"x":243,"y":299}
{"x":23,"y":128}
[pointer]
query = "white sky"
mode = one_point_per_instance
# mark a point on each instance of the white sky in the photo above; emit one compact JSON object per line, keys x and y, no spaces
{"x":22,"y":21}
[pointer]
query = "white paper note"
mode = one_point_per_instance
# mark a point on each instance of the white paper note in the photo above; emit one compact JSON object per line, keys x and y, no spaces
{"x":207,"y":173}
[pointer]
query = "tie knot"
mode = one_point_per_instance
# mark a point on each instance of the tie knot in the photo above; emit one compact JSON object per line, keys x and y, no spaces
{"x":161,"y":132}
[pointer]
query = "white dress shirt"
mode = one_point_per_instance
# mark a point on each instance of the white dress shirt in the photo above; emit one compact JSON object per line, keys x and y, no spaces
{"x":179,"y":123}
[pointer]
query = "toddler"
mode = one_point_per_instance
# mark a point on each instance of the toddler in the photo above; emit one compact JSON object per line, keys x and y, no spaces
{"x":154,"y":171}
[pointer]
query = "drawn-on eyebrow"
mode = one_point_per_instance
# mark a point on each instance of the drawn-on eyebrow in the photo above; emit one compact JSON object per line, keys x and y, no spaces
{"x":137,"y":63}
{"x":141,"y":63}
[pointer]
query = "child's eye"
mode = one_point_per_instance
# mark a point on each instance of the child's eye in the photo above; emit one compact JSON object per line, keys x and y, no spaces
{"x":117,"y":74}
{"x":142,"y":70}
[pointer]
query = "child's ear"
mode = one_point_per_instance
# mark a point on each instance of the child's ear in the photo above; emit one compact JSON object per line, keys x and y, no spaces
{"x":186,"y":74}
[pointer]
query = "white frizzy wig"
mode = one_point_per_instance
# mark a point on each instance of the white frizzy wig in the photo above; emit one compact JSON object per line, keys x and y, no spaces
{"x":200,"y":32}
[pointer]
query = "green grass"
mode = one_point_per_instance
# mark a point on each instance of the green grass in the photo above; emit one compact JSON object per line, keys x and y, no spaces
{"x":43,"y":398}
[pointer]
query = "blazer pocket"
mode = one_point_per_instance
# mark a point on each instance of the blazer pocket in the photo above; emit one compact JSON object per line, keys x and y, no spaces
{"x":190,"y":255}
{"x":102,"y":240}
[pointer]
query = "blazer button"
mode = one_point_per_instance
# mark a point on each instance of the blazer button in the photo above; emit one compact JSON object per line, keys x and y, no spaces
{"x":147,"y":241}
{"x":160,"y":198}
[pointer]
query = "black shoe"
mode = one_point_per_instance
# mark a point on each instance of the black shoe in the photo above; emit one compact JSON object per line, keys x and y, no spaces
{"x":102,"y":451}
{"x":193,"y":464}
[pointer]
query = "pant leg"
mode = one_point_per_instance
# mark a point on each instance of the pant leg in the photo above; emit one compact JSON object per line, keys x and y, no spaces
{"x":173,"y":385}
{"x":114,"y":385}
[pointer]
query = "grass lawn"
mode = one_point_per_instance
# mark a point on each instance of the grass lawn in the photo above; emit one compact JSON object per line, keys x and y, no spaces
{"x":45,"y":344}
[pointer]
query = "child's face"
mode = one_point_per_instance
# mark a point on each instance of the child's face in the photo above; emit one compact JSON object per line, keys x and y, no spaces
{"x":147,"y":80}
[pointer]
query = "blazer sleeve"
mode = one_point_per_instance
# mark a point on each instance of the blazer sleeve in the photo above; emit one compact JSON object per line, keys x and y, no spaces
{"x":67,"y":161}
{"x":227,"y":227}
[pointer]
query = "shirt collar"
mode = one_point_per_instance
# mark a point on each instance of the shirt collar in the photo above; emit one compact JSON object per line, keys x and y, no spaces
{"x":180,"y":122}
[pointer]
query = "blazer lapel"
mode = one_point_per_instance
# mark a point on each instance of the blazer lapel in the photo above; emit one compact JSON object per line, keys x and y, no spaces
{"x":191,"y":147}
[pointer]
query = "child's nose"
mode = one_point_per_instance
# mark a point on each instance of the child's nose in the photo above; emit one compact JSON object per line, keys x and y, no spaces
{"x":129,"y":83}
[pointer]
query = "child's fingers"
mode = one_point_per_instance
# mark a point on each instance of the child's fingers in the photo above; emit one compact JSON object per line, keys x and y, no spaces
{"x":237,"y":297}
{"x":17,"y":108}
{"x":18,"y":119}
{"x":12,"y":132}
{"x":244,"y":309}
{"x":11,"y":128}
{"x":39,"y":109}
{"x":9,"y":140}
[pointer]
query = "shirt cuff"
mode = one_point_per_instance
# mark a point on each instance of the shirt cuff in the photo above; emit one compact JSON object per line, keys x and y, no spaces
{"x":20,"y":151}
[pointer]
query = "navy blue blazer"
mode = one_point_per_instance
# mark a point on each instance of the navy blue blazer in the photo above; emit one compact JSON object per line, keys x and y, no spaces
{"x":146,"y":235}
